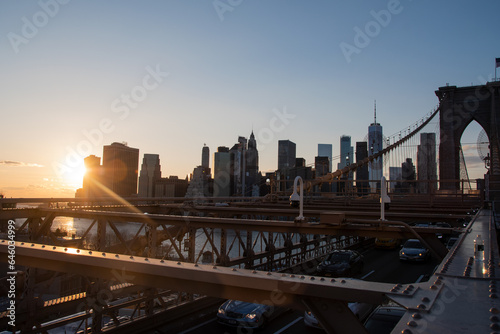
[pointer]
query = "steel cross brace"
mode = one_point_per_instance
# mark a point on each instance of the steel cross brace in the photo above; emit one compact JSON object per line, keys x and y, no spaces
{"x":334,"y":316}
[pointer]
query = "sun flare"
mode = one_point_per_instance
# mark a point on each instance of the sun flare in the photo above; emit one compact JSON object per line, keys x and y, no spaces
{"x":74,"y":177}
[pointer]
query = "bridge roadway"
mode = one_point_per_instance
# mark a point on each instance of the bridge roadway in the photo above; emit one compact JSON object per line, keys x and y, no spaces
{"x":381,"y":265}
{"x":460,"y":297}
{"x":331,"y":223}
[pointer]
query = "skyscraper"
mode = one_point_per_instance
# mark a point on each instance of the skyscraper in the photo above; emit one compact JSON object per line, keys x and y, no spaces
{"x":222,"y":172}
{"x":150,"y":174}
{"x":286,"y":154}
{"x":362,"y":185}
{"x":346,"y":153}
{"x":93,"y":177}
{"x":120,"y":164}
{"x":408,"y":176}
{"x":396,"y":178}
{"x":326,"y":150}
{"x":321,"y":166}
{"x":201,"y":183}
{"x":205,"y":156}
{"x":238,"y":166}
{"x":252,"y":166}
{"x":427,"y":163}
{"x":375,"y":144}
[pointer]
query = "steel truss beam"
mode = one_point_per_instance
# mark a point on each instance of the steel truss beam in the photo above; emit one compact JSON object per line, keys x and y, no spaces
{"x":275,"y":289}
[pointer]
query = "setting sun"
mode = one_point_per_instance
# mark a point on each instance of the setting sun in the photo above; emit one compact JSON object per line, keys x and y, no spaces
{"x":74,"y":177}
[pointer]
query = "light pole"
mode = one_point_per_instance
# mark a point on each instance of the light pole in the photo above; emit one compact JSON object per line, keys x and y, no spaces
{"x":346,"y":185}
{"x":296,"y":200}
{"x":384,"y":198}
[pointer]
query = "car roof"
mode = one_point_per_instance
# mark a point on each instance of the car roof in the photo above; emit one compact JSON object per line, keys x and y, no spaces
{"x":343,"y":251}
{"x":388,"y":311}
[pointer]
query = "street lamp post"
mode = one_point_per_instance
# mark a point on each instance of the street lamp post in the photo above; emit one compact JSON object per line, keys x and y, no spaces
{"x":296,"y":200}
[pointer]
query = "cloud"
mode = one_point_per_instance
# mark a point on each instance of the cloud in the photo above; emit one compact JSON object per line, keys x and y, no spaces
{"x":18,"y":164}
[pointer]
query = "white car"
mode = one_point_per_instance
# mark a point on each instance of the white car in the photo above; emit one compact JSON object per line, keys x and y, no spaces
{"x":360,"y":310}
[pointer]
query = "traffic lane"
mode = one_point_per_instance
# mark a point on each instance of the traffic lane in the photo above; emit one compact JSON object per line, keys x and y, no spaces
{"x":381,"y":265}
{"x":284,"y":319}
{"x":384,"y":266}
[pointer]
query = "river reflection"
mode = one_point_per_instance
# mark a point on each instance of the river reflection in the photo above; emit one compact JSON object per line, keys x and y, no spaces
{"x":79,"y":227}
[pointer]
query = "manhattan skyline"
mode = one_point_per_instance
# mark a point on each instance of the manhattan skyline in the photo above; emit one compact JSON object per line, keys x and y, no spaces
{"x":168,"y":77}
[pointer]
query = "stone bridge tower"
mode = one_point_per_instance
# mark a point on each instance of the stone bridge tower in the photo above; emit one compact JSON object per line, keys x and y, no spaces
{"x":458,"y":108}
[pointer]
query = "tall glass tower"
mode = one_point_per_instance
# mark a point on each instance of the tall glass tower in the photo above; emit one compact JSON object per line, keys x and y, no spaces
{"x":375,"y":144}
{"x":346,"y":152}
{"x":326,"y":150}
{"x":205,"y":156}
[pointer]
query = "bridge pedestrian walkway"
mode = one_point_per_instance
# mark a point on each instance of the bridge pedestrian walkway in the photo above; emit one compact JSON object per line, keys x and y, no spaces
{"x":462,"y":295}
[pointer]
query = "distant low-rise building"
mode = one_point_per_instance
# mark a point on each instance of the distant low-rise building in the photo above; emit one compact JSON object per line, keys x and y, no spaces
{"x":171,"y":187}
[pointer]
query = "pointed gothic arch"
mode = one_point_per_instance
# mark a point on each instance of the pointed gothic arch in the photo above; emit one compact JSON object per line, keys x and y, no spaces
{"x":459,"y":106}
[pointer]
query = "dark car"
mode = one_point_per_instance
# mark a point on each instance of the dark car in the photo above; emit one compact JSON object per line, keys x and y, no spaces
{"x":341,"y":263}
{"x":384,"y":319}
{"x":236,"y":313}
{"x":360,"y":310}
{"x":413,"y":250}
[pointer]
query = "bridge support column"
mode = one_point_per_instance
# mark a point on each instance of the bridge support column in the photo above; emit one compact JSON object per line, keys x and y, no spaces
{"x":223,"y":257}
{"x":152,"y":235}
{"x":192,"y":245}
{"x":271,"y":249}
{"x":249,"y":253}
{"x":101,"y":234}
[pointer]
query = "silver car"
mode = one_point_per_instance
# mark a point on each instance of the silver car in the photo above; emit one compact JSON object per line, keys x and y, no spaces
{"x":245,"y":315}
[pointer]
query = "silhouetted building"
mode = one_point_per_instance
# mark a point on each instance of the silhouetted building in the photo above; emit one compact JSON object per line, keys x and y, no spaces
{"x":205,"y":156}
{"x":222,"y":172}
{"x":346,"y":153}
{"x":238,"y":166}
{"x":244,"y":167}
{"x":321,"y":167}
{"x":427,"y":163}
{"x":252,"y":167}
{"x":326,"y":150}
{"x":92,"y":180}
{"x":286,"y":154}
{"x":396,"y":178}
{"x":408,"y":176}
{"x":120,"y":164}
{"x":300,"y":162}
{"x":362,"y":185}
{"x":171,"y":187}
{"x":150,"y":174}
{"x":375,"y":145}
{"x":200,"y":184}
